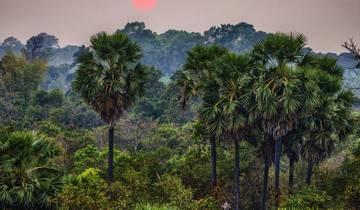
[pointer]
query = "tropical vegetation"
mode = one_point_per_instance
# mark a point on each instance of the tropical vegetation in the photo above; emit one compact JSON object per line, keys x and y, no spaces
{"x":272,"y":128}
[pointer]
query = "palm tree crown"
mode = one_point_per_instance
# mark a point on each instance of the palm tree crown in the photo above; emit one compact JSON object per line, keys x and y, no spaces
{"x":110,"y":77}
{"x":28,"y":176}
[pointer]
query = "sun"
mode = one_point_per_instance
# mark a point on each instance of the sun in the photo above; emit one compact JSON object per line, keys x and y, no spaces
{"x":144,"y":5}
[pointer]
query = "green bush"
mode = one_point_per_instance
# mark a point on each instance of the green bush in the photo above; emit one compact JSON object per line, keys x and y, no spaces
{"x":151,"y":207}
{"x":208,"y":203}
{"x":49,"y":128}
{"x":89,"y":191}
{"x":308,"y":199}
{"x":352,"y":195}
{"x":171,"y":191}
{"x":88,"y":157}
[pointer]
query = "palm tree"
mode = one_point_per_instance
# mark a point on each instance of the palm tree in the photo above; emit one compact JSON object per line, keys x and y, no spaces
{"x":282,"y":90}
{"x":110,"y":78}
{"x":266,"y":152}
{"x":319,"y":142}
{"x":331,"y":119}
{"x":28,"y":179}
{"x":197,"y":80}
{"x":330,"y":123}
{"x":228,"y":116}
{"x":292,"y":150}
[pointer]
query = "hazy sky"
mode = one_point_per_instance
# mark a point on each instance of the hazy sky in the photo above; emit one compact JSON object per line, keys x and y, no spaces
{"x":326,"y":23}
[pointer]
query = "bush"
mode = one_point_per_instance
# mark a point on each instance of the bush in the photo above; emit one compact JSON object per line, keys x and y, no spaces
{"x":49,"y":128}
{"x":208,"y":203}
{"x":352,"y":195}
{"x":89,"y":191}
{"x":172,"y":192}
{"x":88,"y":157}
{"x":150,"y":207}
{"x":308,"y":199}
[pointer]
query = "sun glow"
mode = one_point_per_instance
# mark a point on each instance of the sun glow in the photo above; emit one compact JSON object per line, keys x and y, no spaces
{"x":144,"y":5}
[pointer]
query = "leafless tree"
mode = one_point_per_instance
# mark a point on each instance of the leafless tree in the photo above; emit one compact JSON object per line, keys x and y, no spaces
{"x":132,"y":131}
{"x":352,"y":47}
{"x":354,"y":50}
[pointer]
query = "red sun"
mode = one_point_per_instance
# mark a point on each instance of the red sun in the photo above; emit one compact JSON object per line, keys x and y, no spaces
{"x":144,"y":5}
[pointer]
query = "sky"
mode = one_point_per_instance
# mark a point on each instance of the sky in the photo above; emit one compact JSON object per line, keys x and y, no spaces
{"x":326,"y":23}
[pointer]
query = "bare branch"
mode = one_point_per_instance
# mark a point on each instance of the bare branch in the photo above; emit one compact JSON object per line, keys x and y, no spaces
{"x":352,"y":47}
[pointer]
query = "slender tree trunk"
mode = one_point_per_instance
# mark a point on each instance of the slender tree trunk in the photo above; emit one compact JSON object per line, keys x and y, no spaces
{"x":291,"y":174}
{"x":213,"y":160}
{"x":111,"y":154}
{"x":265,"y":185}
{"x":309,"y":172}
{"x":277,"y":171}
{"x":237,"y":174}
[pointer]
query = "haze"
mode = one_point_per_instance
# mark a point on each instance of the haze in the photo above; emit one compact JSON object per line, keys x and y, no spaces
{"x":326,"y":23}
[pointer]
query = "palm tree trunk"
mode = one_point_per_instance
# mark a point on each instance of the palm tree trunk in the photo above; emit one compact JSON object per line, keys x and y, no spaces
{"x":309,"y":172}
{"x":213,"y":160}
{"x":111,"y":154}
{"x":277,"y":170}
{"x":291,"y":174}
{"x":237,"y":174}
{"x":265,"y":185}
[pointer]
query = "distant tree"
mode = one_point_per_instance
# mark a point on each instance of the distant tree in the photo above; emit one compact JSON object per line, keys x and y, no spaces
{"x":47,"y":100}
{"x":110,"y":78}
{"x":19,"y":79}
{"x":40,"y":46}
{"x":20,"y":76}
{"x":11,"y":44}
{"x":152,"y":104}
{"x":51,"y":98}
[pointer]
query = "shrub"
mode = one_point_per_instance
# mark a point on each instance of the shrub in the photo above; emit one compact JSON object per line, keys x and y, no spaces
{"x":352,"y":195}
{"x":87,"y":157}
{"x":172,"y":191}
{"x":49,"y":128}
{"x":208,"y":203}
{"x":150,"y":207}
{"x":89,"y":191}
{"x":308,"y":199}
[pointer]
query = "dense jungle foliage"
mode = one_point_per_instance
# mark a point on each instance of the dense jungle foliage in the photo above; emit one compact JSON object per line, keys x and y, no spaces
{"x":271,"y":128}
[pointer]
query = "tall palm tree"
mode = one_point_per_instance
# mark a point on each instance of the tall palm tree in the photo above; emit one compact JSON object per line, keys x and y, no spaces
{"x":292,"y":151}
{"x":330,"y":123}
{"x":28,"y":179}
{"x":331,"y":119}
{"x":282,"y":90}
{"x":319,"y":143}
{"x":229,"y":116}
{"x":266,"y":152}
{"x":110,"y":78}
{"x":197,"y":79}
